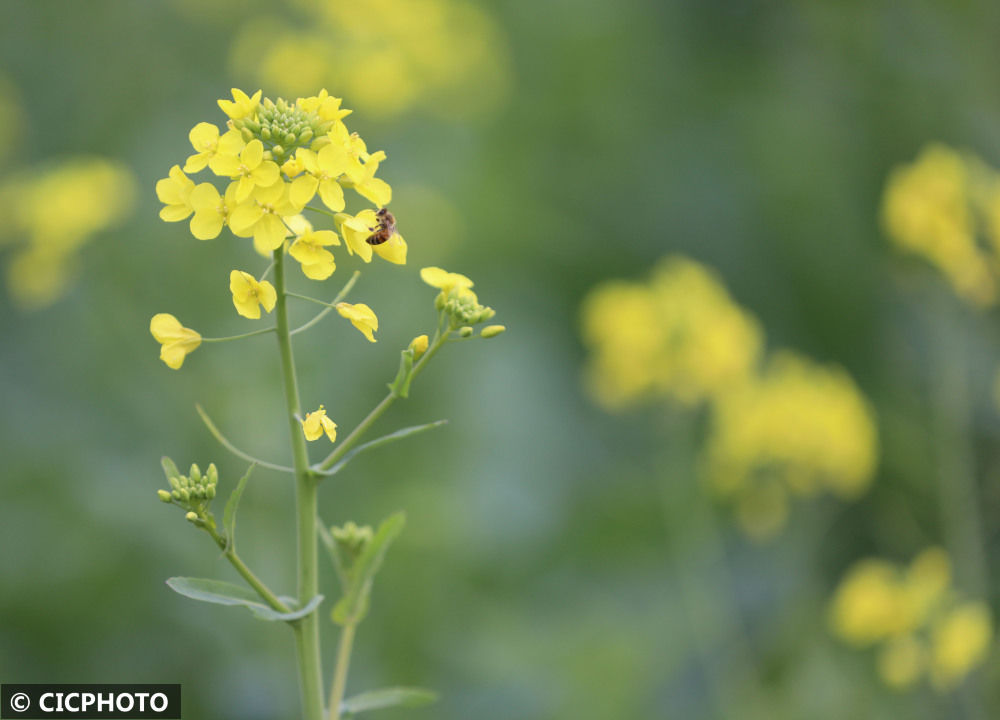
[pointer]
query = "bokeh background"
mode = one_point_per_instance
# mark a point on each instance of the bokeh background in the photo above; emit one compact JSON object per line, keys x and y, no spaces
{"x":565,"y":556}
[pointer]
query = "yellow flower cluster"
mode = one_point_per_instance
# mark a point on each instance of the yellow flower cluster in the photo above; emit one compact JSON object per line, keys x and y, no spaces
{"x":796,"y":429}
{"x":56,"y":210}
{"x":277,"y":156}
{"x":945,"y":207}
{"x":389,"y":56}
{"x":919,"y":624}
{"x":679,"y":336}
{"x":790,"y":428}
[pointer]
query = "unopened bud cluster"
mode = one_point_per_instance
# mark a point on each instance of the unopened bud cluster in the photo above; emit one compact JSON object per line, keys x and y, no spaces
{"x":283,"y":127}
{"x":463,"y":307}
{"x":352,"y":540}
{"x":193,"y":491}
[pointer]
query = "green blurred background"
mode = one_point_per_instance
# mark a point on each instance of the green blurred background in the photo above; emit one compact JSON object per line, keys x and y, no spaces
{"x":540,"y":149}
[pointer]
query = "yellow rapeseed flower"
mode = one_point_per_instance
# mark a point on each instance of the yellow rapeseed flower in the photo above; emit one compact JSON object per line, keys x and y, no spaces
{"x":444,"y":280}
{"x":205,"y":139}
{"x":241,"y":105}
{"x":211,"y":210}
{"x":361,"y":316}
{"x":321,"y":172}
{"x":309,"y":248}
{"x":418,"y":345}
{"x":356,"y":229}
{"x":869,"y":605}
{"x":176,"y":340}
{"x":249,"y":169}
{"x":261,"y":216}
{"x":175,"y":193}
{"x":249,"y":295}
{"x":316,"y":423}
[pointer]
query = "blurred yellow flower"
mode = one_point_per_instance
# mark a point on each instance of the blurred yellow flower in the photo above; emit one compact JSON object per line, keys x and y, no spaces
{"x":316,"y":423}
{"x":805,"y":426}
{"x":249,"y":295}
{"x":679,"y":336}
{"x":938,"y":207}
{"x":361,"y":316}
{"x":176,"y":340}
{"x":960,"y":641}
{"x":914,"y":616}
{"x":50,"y":213}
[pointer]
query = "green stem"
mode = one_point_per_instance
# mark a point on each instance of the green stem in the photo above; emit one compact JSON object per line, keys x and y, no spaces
{"x":255,"y":582}
{"x":306,"y":629}
{"x":332,"y":306}
{"x":340,"y":671}
{"x":239,"y":337}
{"x":358,"y":432}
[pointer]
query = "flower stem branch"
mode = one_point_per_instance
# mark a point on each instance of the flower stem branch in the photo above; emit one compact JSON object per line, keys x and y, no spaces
{"x":239,"y":337}
{"x":358,"y":432}
{"x":252,"y":580}
{"x":323,"y":313}
{"x":232,"y":448}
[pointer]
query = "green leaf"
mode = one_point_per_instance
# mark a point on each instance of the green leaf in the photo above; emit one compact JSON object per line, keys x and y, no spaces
{"x":225,"y":593}
{"x":169,"y":469}
{"x":229,"y":514}
{"x":387,"y":698}
{"x":352,"y":607}
{"x":384,"y":440}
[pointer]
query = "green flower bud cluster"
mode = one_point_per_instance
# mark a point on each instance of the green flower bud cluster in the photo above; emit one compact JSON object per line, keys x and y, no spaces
{"x":351,"y":540}
{"x":192,"y":492}
{"x":282,"y":127}
{"x":464,"y":309}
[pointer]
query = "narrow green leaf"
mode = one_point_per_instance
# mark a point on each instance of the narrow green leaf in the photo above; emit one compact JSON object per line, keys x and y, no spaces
{"x":169,"y":469}
{"x":378,"y":442}
{"x":225,"y":593}
{"x":387,"y":698}
{"x":229,"y":514}
{"x":353,"y":605}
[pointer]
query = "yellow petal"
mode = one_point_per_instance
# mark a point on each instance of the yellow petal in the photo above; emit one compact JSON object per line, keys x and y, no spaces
{"x":393,"y":250}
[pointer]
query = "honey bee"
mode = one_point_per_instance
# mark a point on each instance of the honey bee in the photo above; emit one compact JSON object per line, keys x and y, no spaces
{"x":385,"y":228}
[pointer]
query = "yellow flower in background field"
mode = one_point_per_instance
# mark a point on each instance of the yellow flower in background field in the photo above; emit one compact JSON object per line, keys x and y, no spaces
{"x":945,"y":207}
{"x":176,"y":340}
{"x":361,"y":316}
{"x":960,"y":641}
{"x":50,"y":213}
{"x":389,"y":56}
{"x":678,"y":336}
{"x":249,"y":295}
{"x":802,"y":425}
{"x":316,"y":423}
{"x":915,"y":618}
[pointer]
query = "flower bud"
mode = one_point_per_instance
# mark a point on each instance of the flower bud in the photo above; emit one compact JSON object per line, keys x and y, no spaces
{"x":418,"y":345}
{"x":212,"y":474}
{"x":210,"y":492}
{"x":185,"y":494}
{"x":305,"y":136}
{"x":493,"y":330}
{"x":195,"y":473}
{"x":465,"y":331}
{"x":191,"y":517}
{"x":163,"y":495}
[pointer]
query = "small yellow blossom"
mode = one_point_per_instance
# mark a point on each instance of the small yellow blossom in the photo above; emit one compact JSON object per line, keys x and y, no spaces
{"x":206,"y":140}
{"x":176,"y":340}
{"x":250,"y":169}
{"x":418,"y":345}
{"x":249,"y":295}
{"x":261,"y":216}
{"x":361,"y":316}
{"x":211,"y":210}
{"x":175,"y":193}
{"x":241,"y":105}
{"x":309,"y":249}
{"x":444,"y":280}
{"x":356,"y":230}
{"x":316,"y":423}
{"x":869,"y":604}
{"x":960,"y":642}
{"x":321,"y":172}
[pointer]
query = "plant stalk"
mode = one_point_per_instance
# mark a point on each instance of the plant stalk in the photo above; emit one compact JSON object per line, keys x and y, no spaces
{"x":306,"y":629}
{"x":339,"y":685}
